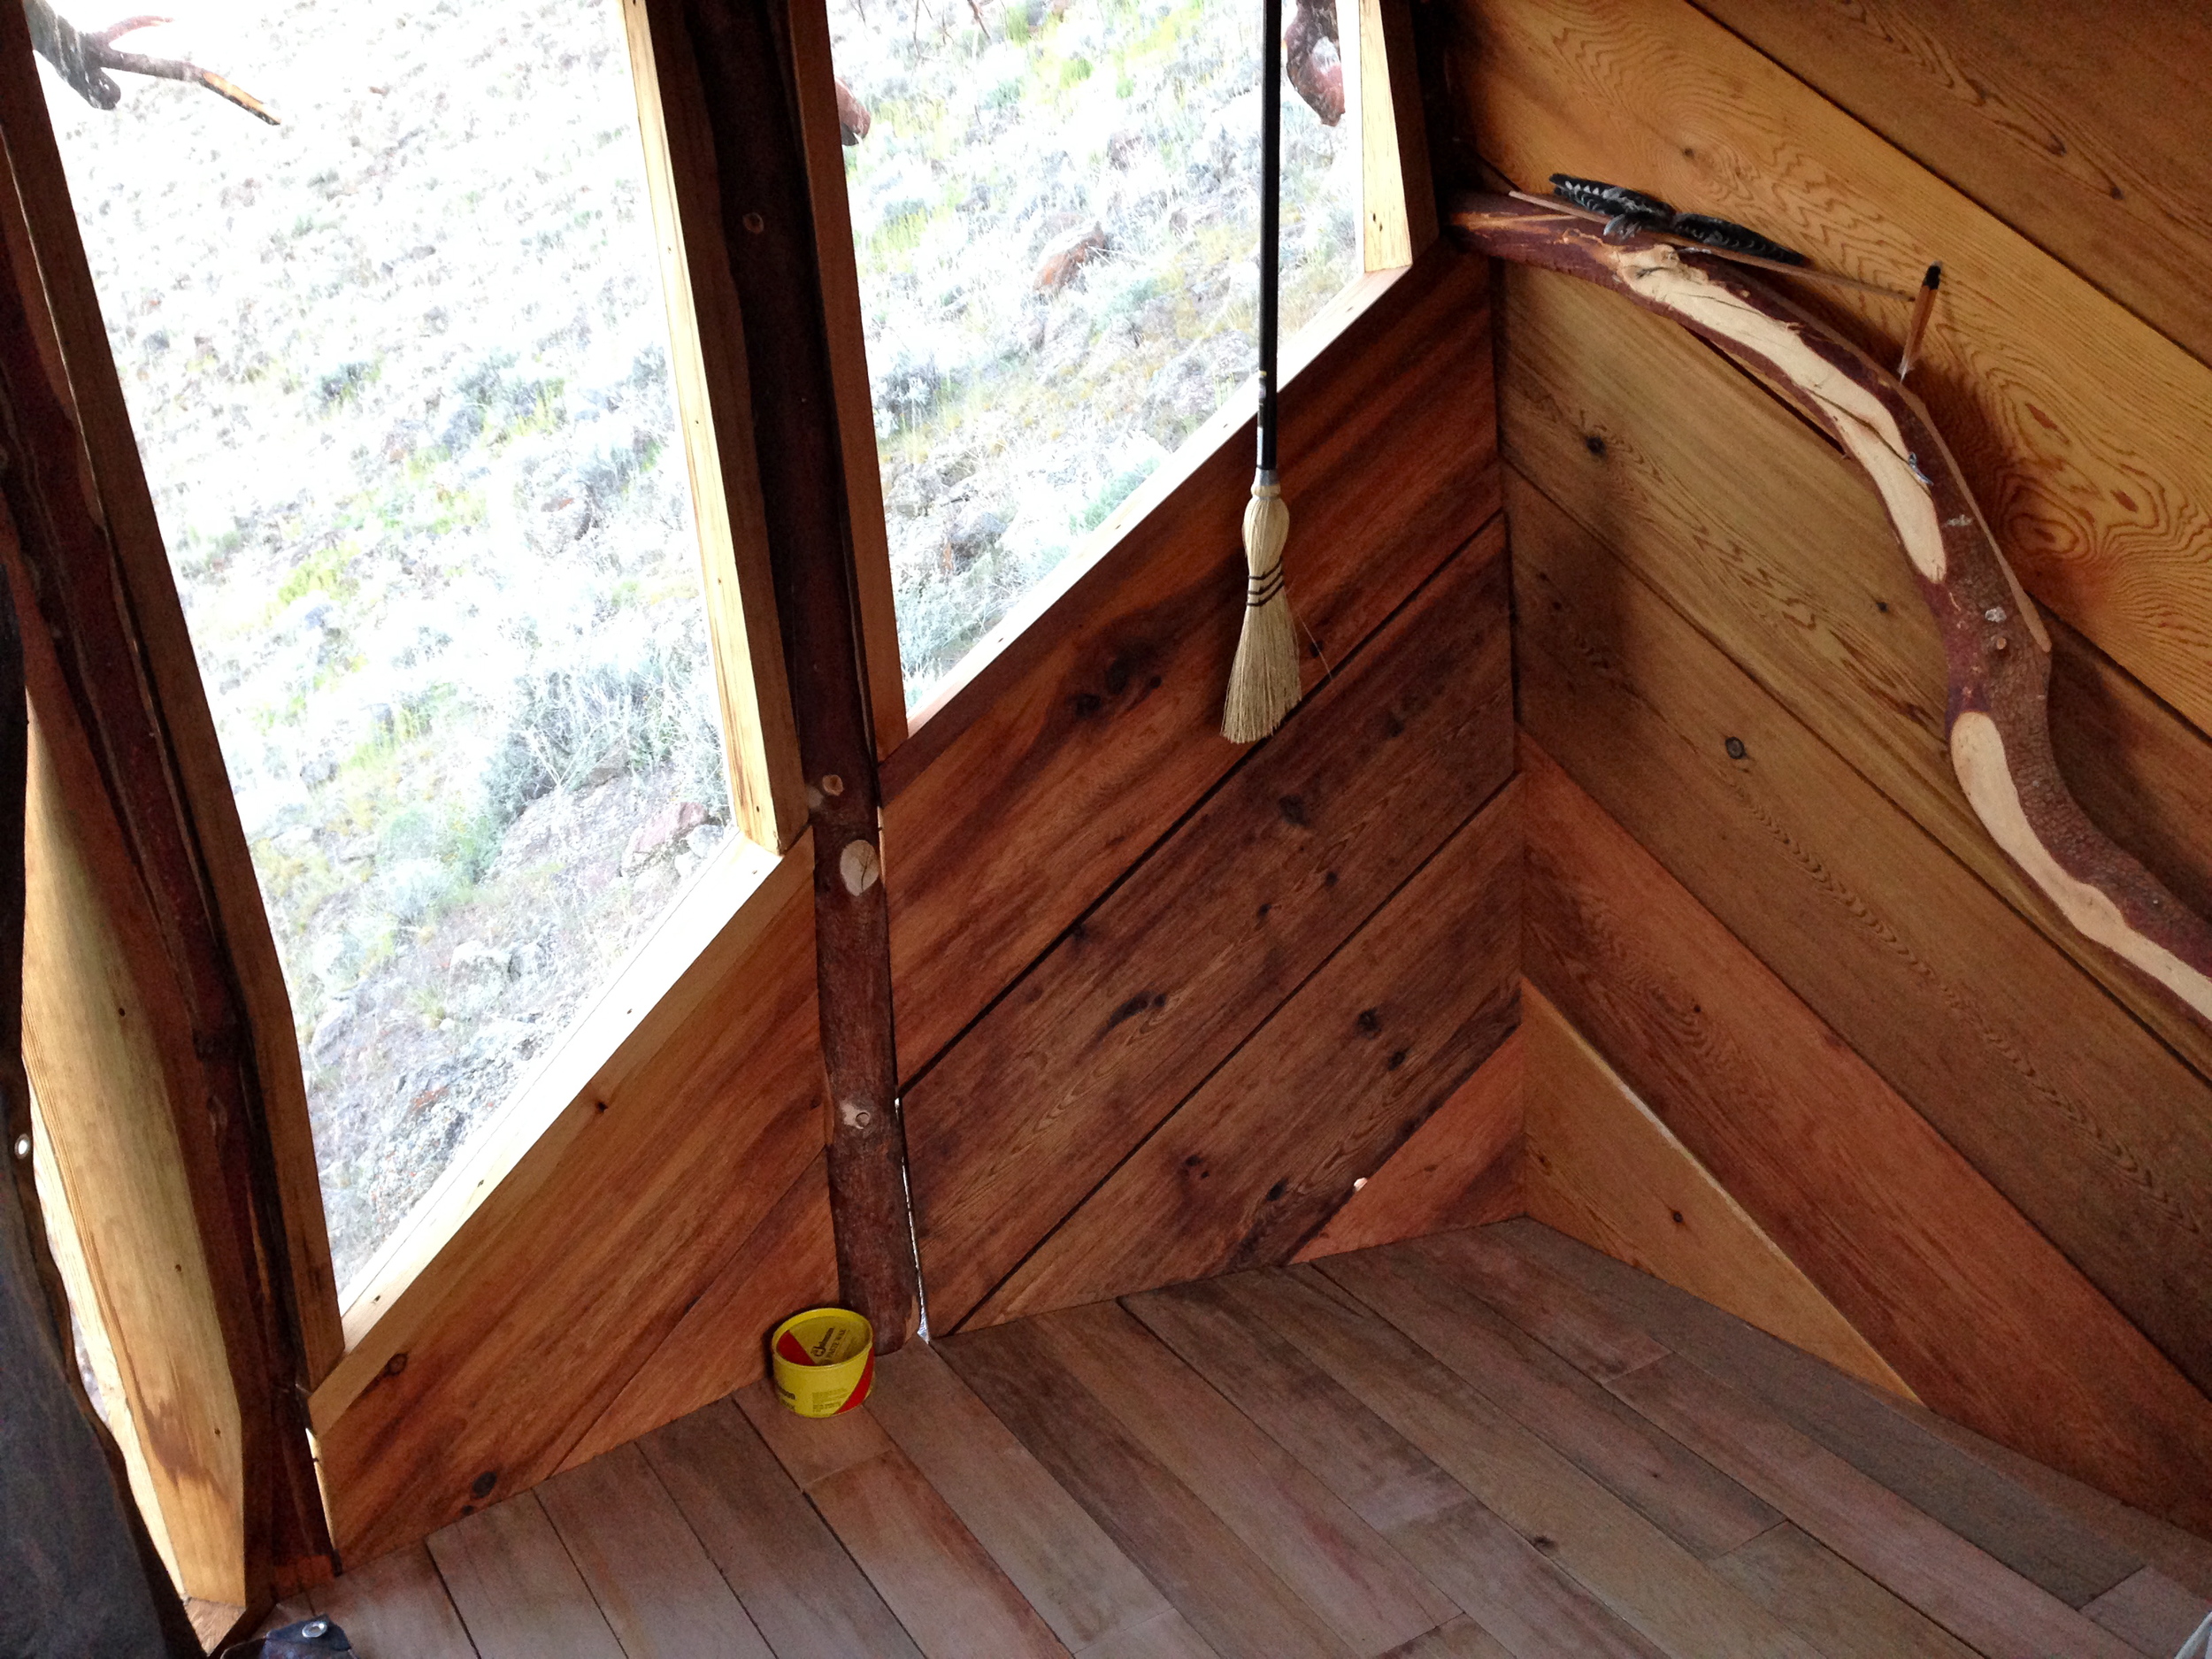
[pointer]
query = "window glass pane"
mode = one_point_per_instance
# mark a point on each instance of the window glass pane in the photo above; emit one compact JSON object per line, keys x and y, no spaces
{"x":1055,"y":214}
{"x":399,"y":372}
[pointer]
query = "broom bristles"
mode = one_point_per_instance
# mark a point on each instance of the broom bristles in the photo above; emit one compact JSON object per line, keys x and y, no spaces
{"x":1263,"y":681}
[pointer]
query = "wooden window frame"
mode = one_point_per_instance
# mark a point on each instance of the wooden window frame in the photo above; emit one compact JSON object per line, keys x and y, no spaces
{"x":691,"y":953}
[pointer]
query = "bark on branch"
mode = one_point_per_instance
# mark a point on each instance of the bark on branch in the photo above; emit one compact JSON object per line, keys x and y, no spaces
{"x":1995,"y":648}
{"x":83,"y":58}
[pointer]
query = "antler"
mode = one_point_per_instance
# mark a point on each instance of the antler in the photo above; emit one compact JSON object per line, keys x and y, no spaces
{"x":83,"y":57}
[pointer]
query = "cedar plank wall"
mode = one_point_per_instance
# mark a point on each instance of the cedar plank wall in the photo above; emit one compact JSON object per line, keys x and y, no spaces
{"x":1161,"y":1001}
{"x":1755,"y":885}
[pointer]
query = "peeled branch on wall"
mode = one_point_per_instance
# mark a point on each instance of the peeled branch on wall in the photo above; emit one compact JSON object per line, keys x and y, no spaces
{"x":1311,"y":60}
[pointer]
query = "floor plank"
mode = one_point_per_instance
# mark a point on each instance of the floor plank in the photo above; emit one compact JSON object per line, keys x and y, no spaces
{"x":1497,"y":1576}
{"x":648,"y":1572}
{"x":1042,"y":1538}
{"x":800,"y":1587}
{"x":1701,"y":1508}
{"x":2151,"y":1612}
{"x":397,"y":1604}
{"x":1845,"y":1613}
{"x":1640,"y":1573}
{"x":1462,"y":1638}
{"x":1360,"y":1585}
{"x":1875,"y":1435}
{"x":1228,"y":1595}
{"x":1968,"y":1593}
{"x":515,"y":1588}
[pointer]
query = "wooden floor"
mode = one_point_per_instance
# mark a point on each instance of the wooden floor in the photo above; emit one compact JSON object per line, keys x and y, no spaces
{"x":1482,"y":1444}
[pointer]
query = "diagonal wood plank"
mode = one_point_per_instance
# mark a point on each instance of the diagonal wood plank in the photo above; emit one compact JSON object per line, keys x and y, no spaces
{"x":944,"y":1588}
{"x":1702,"y":1510}
{"x":1974,"y":1596}
{"x":797,"y":1583}
{"x":397,"y":1604}
{"x":647,"y":1569}
{"x":2070,"y":417}
{"x":1226,"y":1593}
{"x":1360,"y":1585}
{"x":1877,"y":1433}
{"x":1316,"y":1098}
{"x":1162,"y":982}
{"x":1660,"y":1588}
{"x":2072,"y":1111}
{"x":516,"y":1589}
{"x":2150,"y":1612}
{"x":1462,"y":1638}
{"x":1601,"y":1167}
{"x":1838,"y":1608}
{"x":1460,"y":1168}
{"x":1056,"y":1554}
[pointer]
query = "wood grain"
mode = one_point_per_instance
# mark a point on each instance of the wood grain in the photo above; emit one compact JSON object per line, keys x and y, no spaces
{"x":1973,"y":1307}
{"x":2150,"y":1612}
{"x":1974,"y":1596}
{"x":2071,"y":1108}
{"x":2067,"y":412}
{"x":397,"y":1604}
{"x":1791,"y":564}
{"x":1318,"y":1097}
{"x":1829,"y":1601}
{"x":1165,"y":977}
{"x":1017,"y":802}
{"x":646,"y":1569}
{"x":1643,"y":1576}
{"x":1056,"y":1554}
{"x":1345,"y":1572}
{"x":1701,"y":1509}
{"x":1228,"y":1595}
{"x":1602,"y":1168}
{"x":1875,"y":1432}
{"x":800,"y":1587}
{"x":515,"y":1589}
{"x":2070,"y":125}
{"x":1460,"y":1168}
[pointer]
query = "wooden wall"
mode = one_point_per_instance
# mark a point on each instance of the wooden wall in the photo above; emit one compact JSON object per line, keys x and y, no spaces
{"x":1754,"y":884}
{"x":1162,"y":1001}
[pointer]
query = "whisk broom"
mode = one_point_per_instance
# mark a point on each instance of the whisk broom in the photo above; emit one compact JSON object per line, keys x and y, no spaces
{"x":1263,"y":680}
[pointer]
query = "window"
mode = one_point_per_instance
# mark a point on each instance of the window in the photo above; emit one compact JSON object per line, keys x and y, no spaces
{"x":1055,"y":212}
{"x":398,"y":367}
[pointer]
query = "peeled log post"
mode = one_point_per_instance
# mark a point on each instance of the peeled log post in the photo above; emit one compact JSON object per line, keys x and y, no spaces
{"x":743,"y":50}
{"x":1996,"y":650}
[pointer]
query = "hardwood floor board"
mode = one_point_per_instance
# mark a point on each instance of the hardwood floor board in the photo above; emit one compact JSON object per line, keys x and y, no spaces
{"x":811,"y":1449}
{"x":1319,"y":1096}
{"x":1875,"y":1435}
{"x":1700,"y":1509}
{"x":397,"y":1604}
{"x":645,"y":1567}
{"x":1043,"y":1540}
{"x":947,"y":1592}
{"x":1642,"y":1575}
{"x":1162,"y":982}
{"x":1164,"y":1636}
{"x":1462,"y":1638}
{"x":2151,"y":1613}
{"x":1968,"y":1593}
{"x":1230,"y":1597}
{"x":801,"y":1589}
{"x":2088,"y":1125}
{"x":1842,"y":1612}
{"x":1345,"y":1572}
{"x":515,"y":1589}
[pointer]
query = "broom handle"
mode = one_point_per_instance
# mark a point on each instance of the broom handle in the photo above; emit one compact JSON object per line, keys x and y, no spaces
{"x":1270,"y":217}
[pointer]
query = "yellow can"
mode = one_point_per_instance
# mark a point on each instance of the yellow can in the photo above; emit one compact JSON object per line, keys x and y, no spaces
{"x":824,"y":1360}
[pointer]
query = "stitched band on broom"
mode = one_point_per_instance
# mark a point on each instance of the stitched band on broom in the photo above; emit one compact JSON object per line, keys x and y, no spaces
{"x":1263,"y":680}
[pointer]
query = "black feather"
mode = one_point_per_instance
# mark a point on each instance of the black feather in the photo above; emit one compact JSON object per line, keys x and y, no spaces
{"x":1615,"y":201}
{"x":1725,"y":233}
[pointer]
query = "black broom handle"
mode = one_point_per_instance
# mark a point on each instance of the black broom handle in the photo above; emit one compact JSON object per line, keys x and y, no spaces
{"x":1271,"y":217}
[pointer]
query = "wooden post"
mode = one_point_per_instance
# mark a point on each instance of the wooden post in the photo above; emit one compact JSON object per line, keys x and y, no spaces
{"x":743,"y":50}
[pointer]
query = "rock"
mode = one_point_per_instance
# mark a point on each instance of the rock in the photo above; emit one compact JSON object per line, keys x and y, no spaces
{"x":972,"y":533}
{"x":1068,"y":254}
{"x":657,"y":836}
{"x":472,"y":958}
